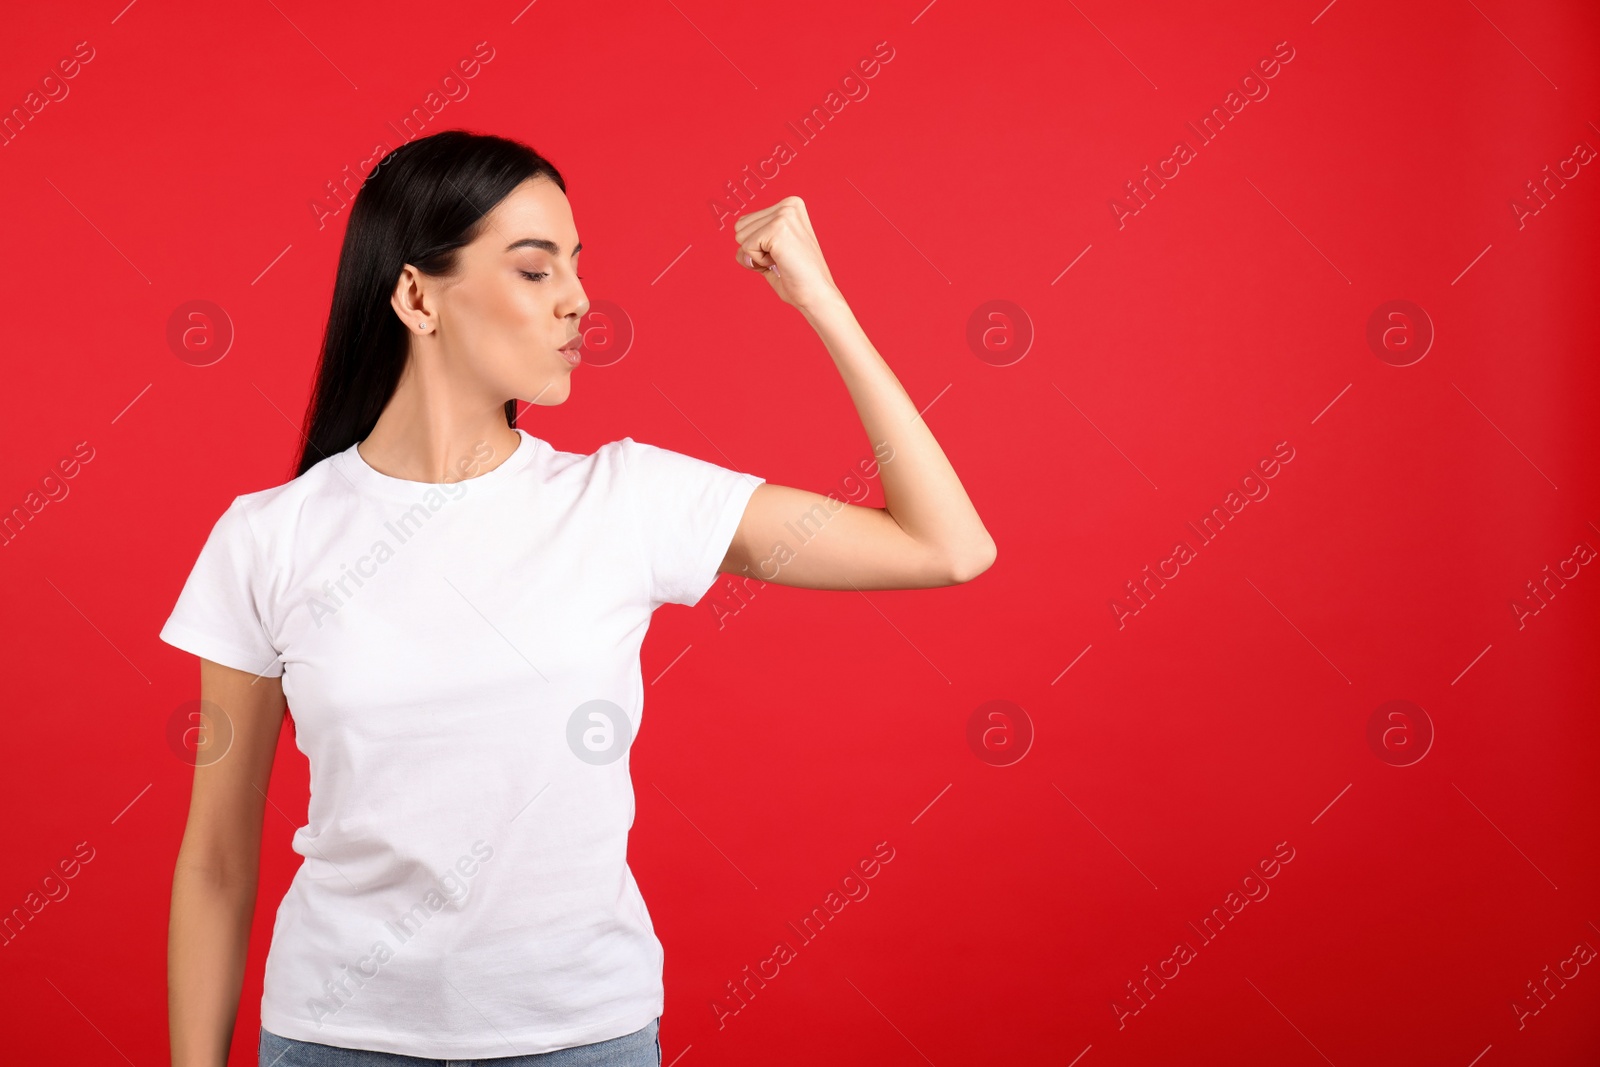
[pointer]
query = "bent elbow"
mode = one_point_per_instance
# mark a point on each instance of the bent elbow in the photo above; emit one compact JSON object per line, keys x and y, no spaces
{"x":967,"y":569}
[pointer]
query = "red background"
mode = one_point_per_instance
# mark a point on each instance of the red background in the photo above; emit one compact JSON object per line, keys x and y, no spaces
{"x":1227,"y":716}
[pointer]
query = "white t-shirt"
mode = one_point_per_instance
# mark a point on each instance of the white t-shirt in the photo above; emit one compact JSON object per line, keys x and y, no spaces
{"x":462,"y":664}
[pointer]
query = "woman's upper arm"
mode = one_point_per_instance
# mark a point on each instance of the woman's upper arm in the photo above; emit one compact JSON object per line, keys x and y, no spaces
{"x":240,"y":717}
{"x":791,"y":536}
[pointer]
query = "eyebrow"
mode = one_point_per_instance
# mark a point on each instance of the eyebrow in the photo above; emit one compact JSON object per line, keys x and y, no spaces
{"x":539,"y":242}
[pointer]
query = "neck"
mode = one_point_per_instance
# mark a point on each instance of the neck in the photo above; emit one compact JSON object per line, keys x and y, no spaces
{"x":433,"y":430}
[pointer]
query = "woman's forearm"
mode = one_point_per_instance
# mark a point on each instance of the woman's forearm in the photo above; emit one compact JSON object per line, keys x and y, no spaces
{"x":208,"y":939}
{"x":920,"y":488}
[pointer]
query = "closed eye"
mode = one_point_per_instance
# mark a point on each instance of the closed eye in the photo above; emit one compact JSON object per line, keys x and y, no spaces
{"x":534,"y":276}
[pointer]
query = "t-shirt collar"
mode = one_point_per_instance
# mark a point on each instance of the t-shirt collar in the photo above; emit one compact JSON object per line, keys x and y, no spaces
{"x":366,"y":477}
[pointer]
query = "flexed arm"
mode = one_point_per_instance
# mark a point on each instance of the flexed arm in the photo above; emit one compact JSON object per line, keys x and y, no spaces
{"x":928,"y":533}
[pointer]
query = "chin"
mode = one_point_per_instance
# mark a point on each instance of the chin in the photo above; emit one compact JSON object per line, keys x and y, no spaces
{"x":547,"y":393}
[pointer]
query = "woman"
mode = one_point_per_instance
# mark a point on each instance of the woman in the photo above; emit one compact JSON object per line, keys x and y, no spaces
{"x":454,"y":610}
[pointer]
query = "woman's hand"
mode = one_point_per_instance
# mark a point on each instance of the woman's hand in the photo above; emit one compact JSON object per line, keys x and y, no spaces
{"x":778,"y":242}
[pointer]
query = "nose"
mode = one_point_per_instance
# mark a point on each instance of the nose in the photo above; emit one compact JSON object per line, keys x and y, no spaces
{"x":578,"y":300}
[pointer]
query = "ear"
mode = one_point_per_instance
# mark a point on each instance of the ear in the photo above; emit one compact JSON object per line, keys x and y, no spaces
{"x":410,"y":301}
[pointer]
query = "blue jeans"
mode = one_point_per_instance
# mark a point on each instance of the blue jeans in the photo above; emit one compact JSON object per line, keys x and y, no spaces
{"x":642,"y":1048}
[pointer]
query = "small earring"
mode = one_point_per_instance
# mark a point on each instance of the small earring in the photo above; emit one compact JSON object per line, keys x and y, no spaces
{"x":422,"y":325}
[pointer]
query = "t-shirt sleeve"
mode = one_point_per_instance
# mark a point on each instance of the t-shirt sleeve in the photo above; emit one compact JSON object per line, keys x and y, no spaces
{"x":218,"y":616}
{"x":686,"y":511}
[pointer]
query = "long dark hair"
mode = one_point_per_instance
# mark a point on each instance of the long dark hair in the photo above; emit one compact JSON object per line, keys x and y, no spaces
{"x":421,"y":203}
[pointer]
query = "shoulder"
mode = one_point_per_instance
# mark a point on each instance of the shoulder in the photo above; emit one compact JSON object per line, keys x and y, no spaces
{"x":279,"y":505}
{"x":609,"y":456}
{"x":660,"y":482}
{"x":622,"y":460}
{"x":556,"y":467}
{"x":646,"y":463}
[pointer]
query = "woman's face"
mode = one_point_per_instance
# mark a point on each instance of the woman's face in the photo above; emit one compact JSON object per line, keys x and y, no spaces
{"x":514,"y":301}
